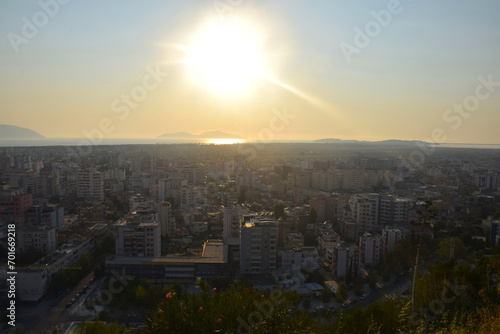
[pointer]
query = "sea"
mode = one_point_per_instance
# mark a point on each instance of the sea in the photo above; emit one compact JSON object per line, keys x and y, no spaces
{"x":143,"y":141}
{"x":109,"y":141}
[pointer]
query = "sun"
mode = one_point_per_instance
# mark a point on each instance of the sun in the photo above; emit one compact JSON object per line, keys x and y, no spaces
{"x":226,"y":58}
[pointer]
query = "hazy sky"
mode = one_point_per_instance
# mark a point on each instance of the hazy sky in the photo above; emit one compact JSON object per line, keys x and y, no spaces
{"x":67,"y":73}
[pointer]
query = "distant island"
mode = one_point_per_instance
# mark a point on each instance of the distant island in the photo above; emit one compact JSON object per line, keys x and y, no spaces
{"x":389,"y":141}
{"x":17,"y":132}
{"x":206,"y":134}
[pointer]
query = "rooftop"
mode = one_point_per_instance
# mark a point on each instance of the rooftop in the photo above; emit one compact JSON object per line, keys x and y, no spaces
{"x":213,"y":252}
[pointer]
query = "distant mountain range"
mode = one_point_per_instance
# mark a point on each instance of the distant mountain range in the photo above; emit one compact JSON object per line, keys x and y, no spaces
{"x":389,"y":141}
{"x":207,"y":134}
{"x":16,"y":132}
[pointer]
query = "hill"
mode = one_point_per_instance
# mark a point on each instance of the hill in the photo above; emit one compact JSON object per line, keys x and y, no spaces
{"x":387,"y":142}
{"x":16,"y":132}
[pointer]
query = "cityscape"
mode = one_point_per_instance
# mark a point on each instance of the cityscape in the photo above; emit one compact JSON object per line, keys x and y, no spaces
{"x":247,"y":167}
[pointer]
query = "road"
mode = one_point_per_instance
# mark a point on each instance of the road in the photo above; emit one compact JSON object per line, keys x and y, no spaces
{"x":390,"y":288}
{"x":40,"y":318}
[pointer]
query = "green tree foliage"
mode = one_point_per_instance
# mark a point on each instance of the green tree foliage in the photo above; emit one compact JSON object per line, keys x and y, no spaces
{"x":378,"y":317}
{"x":70,"y":276}
{"x":443,"y":251}
{"x":99,"y":327}
{"x":372,"y":281}
{"x":112,"y":216}
{"x":459,"y":288}
{"x":220,"y":283}
{"x":400,"y":258}
{"x":343,"y":290}
{"x":358,"y":286}
{"x":140,"y":294}
{"x":237,"y":309}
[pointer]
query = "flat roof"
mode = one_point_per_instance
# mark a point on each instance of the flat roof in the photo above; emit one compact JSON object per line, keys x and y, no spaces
{"x":213,"y":252}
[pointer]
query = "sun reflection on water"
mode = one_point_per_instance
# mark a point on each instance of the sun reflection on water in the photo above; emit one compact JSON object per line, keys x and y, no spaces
{"x":224,"y":141}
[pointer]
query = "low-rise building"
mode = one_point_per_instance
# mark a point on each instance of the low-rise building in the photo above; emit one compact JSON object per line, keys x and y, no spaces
{"x":345,"y":259}
{"x":138,"y":234}
{"x":184,"y":269}
{"x":39,"y":238}
{"x":258,"y":246}
{"x":298,"y":258}
{"x":371,"y":249}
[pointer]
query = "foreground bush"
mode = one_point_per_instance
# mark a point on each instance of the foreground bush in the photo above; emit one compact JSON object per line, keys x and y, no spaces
{"x":236,"y":310}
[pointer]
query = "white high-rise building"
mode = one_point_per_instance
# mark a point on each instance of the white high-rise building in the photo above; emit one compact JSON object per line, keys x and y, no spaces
{"x":232,"y":219}
{"x":164,"y":210}
{"x":39,"y":238}
{"x":89,"y":184}
{"x":345,"y":259}
{"x":138,"y":234}
{"x":258,"y":246}
{"x":372,"y":212}
{"x":392,"y":235}
{"x":371,"y":249}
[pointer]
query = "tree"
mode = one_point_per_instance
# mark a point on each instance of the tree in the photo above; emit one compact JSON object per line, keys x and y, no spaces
{"x":112,"y":216}
{"x":358,"y":290}
{"x":316,"y":276}
{"x":444,"y":250}
{"x":140,"y":294}
{"x":238,"y":309}
{"x":426,"y":215}
{"x":343,"y":290}
{"x":99,"y":327}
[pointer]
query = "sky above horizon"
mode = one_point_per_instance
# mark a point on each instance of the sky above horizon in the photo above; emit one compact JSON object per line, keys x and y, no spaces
{"x":365,"y":70}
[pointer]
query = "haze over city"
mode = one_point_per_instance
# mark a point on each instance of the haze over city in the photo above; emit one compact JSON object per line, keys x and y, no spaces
{"x":343,"y":70}
{"x":249,"y":166}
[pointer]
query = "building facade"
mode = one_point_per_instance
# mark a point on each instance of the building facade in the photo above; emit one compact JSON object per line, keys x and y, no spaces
{"x":258,"y":246}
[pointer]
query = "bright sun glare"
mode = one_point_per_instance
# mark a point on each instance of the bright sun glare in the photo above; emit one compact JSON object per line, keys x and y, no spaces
{"x":226,"y":58}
